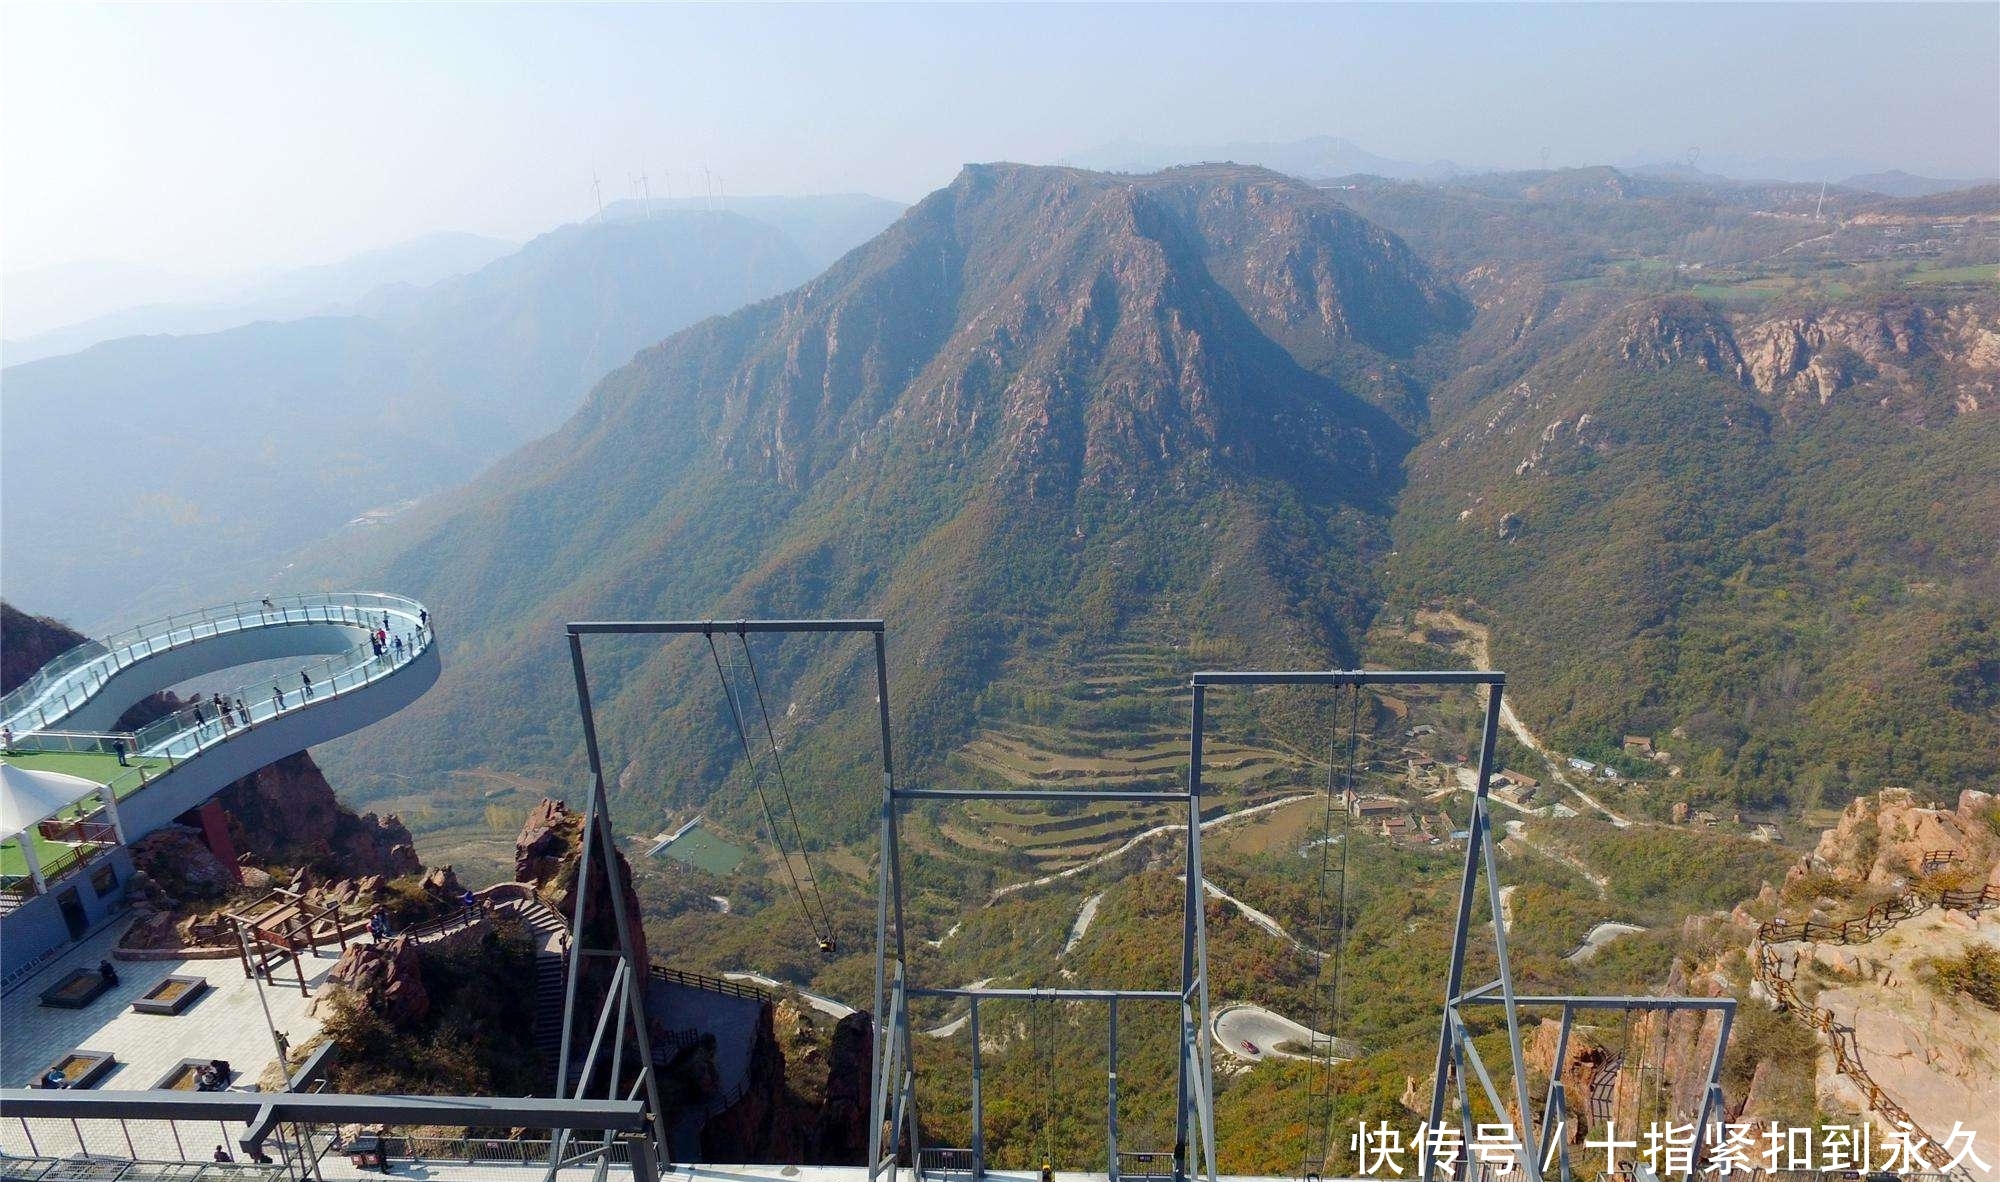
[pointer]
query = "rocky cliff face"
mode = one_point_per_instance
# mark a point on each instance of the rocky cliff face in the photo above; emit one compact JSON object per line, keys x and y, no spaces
{"x":807,"y":1100}
{"x":1818,"y":355}
{"x":286,"y":814}
{"x":547,"y":857}
{"x":1891,"y":838}
{"x":29,"y":642}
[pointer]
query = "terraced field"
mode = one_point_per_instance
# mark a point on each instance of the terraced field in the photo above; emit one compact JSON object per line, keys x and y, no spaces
{"x":1114,"y":733}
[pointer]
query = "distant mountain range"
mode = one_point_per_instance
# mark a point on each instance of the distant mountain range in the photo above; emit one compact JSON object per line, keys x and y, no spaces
{"x":1314,"y":157}
{"x":824,"y":226}
{"x":1059,"y":411}
{"x":1325,"y":156}
{"x":141,"y":470}
{"x":288,"y":295}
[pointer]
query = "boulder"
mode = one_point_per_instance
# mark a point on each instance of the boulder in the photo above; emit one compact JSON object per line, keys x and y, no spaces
{"x":177,"y":859}
{"x":389,"y":977}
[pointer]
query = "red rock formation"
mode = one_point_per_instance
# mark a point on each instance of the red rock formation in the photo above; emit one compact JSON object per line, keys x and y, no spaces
{"x":287,"y":814}
{"x":1885,"y":839}
{"x":546,"y":858}
{"x":389,"y":977}
{"x":1581,"y":1061}
{"x":840,"y":1136}
{"x":176,"y":858}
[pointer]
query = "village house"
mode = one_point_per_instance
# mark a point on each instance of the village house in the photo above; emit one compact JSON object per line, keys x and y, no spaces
{"x":1367,"y":807}
{"x":1638,"y":745}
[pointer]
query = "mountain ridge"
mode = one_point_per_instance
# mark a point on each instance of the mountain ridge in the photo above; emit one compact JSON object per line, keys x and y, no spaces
{"x":1047,"y":364}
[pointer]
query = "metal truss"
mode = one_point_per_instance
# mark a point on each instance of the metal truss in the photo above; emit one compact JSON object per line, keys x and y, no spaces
{"x":1458,"y":1059}
{"x":1193,"y":1153}
{"x":620,"y":1122}
{"x":633,"y":974}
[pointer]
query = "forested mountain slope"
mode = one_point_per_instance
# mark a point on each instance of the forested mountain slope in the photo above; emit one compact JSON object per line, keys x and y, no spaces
{"x":1047,"y":411}
{"x":1771,"y":534}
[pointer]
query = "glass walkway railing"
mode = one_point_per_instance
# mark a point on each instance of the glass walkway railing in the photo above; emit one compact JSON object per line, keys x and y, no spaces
{"x":70,"y":680}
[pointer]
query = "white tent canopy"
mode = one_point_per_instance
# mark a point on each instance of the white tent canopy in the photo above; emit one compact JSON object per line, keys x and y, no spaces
{"x":29,"y":797}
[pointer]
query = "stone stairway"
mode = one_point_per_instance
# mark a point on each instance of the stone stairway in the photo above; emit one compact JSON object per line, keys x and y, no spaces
{"x":551,"y":939}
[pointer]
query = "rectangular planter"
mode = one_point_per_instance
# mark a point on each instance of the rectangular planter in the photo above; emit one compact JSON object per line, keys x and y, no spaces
{"x":171,"y":995}
{"x":181,"y":1078}
{"x":75,"y":991}
{"x":83,"y":1069}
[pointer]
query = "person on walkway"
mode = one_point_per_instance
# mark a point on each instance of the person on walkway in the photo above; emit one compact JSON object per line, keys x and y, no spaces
{"x":224,"y":711}
{"x":305,"y":679}
{"x":242,"y":712}
{"x":222,"y":1154}
{"x":268,"y":605}
{"x":375,"y":645}
{"x":6,"y":738}
{"x":199,"y":721}
{"x":54,"y":1079}
{"x":108,"y":974}
{"x":399,"y":648}
{"x":423,"y":619}
{"x":278,"y":699}
{"x":118,"y":747}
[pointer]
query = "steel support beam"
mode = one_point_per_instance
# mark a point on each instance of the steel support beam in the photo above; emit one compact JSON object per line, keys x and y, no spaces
{"x":709,"y":627}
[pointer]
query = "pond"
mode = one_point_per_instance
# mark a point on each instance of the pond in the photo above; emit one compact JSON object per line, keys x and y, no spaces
{"x":705,"y":851}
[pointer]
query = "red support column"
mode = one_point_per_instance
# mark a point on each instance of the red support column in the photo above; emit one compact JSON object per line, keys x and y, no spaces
{"x":215,"y":831}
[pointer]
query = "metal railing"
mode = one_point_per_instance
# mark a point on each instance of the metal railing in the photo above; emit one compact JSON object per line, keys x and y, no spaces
{"x":69,"y":680}
{"x":200,"y":726}
{"x":56,"y":1169}
{"x":68,"y":742}
{"x":934,"y":1161}
{"x":711,"y":984}
{"x":520,"y":1151}
{"x":1151,"y":1165}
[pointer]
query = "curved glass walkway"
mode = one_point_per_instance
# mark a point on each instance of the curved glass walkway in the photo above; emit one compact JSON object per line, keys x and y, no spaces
{"x":50,"y":711}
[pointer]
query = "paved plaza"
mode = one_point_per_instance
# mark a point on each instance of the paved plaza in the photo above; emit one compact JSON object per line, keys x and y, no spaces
{"x":227,"y":1022}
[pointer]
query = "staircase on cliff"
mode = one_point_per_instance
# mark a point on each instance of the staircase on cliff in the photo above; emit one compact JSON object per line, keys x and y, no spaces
{"x":550,"y":936}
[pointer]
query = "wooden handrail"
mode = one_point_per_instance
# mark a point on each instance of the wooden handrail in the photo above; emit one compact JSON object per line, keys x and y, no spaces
{"x":1860,"y":929}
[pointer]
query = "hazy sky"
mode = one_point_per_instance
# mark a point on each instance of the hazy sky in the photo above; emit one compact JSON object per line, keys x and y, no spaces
{"x":227,"y":138}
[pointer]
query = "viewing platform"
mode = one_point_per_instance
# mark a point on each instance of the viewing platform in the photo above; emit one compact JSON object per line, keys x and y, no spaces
{"x":127,"y":784}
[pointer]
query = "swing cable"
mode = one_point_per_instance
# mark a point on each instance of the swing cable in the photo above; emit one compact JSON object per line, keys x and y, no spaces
{"x":1332,"y":916}
{"x":756,"y":784}
{"x":785,"y":786}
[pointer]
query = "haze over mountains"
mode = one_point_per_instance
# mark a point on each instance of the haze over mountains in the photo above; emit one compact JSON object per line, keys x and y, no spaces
{"x":211,"y":455}
{"x":38,"y":299}
{"x":1327,"y":156}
